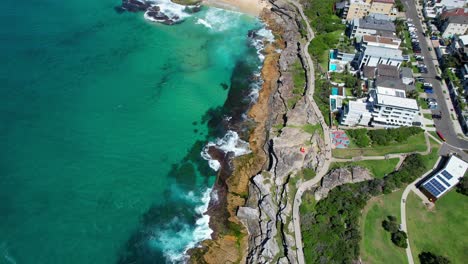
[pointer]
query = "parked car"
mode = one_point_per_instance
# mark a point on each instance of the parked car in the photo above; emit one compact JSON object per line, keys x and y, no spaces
{"x":434,"y":38}
{"x":436,"y":116}
{"x":438,"y":78}
{"x":426,"y":84}
{"x":420,"y":79}
{"x":431,"y":100}
{"x":429,"y":48}
{"x":423,"y":70}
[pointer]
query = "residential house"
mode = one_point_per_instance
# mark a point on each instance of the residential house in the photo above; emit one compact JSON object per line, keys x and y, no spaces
{"x":406,"y":75}
{"x":356,"y":113}
{"x":373,"y":56}
{"x":371,"y":26}
{"x":459,"y":47}
{"x":433,"y":8}
{"x":386,"y":42}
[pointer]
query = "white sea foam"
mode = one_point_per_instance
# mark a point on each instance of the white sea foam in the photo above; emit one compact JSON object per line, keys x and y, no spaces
{"x":169,"y":8}
{"x":219,"y":19}
{"x":229,"y":143}
{"x":176,"y":245}
{"x":5,"y":255}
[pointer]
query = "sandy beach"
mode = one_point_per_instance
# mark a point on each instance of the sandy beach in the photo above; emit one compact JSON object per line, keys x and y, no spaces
{"x":253,"y":7}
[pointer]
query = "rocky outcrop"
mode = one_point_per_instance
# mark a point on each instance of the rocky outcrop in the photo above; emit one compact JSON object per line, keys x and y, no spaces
{"x":339,"y":177}
{"x":268,"y":211}
{"x":260,"y":191}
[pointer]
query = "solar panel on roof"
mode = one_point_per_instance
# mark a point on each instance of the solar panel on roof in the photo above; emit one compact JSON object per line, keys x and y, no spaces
{"x":437,"y":184}
{"x":428,"y":186}
{"x":443,"y":180}
{"x":447,"y":174}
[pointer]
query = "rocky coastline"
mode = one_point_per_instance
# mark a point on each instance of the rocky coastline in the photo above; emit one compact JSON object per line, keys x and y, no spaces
{"x":252,"y":215}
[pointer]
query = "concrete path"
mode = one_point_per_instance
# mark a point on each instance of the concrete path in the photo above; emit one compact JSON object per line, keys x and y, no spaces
{"x":323,"y":169}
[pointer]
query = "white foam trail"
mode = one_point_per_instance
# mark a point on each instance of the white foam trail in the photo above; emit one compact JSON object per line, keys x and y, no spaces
{"x":204,"y":22}
{"x":229,"y":143}
{"x":176,"y":245}
{"x":6,"y":255}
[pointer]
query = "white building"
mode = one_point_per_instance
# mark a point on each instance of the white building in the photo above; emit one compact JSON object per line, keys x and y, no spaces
{"x":455,"y":25}
{"x":393,"y":111}
{"x":373,"y":56}
{"x":356,"y":113}
{"x":434,"y":8}
{"x":445,"y":179}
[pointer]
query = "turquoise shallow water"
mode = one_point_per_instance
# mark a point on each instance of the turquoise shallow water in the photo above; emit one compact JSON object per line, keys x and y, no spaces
{"x":101,"y":128}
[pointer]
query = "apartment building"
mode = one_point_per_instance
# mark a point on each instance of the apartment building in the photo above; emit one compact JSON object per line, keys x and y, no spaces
{"x":454,"y":25}
{"x":361,"y":8}
{"x":358,"y":9}
{"x":392,"y":110}
{"x":384,"y":7}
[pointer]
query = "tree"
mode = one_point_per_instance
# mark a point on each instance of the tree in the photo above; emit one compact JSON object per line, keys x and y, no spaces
{"x":399,"y":238}
{"x":390,"y":226}
{"x":462,"y":186}
{"x":430,"y":258}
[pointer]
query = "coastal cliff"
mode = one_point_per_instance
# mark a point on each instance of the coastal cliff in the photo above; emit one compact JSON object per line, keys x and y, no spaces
{"x":252,"y":218}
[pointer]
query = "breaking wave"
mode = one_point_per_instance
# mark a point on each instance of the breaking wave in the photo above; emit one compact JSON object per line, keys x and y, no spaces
{"x":231,"y":142}
{"x":175,"y":245}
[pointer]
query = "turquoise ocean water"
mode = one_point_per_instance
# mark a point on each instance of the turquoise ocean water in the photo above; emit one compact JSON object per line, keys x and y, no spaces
{"x":101,"y":128}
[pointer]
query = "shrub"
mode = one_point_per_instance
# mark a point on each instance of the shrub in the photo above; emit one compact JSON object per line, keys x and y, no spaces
{"x":430,"y":258}
{"x":462,"y":186}
{"x":399,"y":238}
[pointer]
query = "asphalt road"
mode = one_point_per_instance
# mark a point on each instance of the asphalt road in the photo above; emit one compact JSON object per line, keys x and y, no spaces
{"x":444,"y":124}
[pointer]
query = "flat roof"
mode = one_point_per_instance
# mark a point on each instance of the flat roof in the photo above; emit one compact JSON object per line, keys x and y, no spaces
{"x":377,"y":24}
{"x":384,"y":52}
{"x":380,"y":39}
{"x":464,"y":39}
{"x":448,"y":177}
{"x":384,"y":1}
{"x":400,"y":102}
{"x":406,"y":72}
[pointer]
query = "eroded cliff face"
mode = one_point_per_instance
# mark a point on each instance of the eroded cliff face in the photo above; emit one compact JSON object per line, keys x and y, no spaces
{"x":253,"y":217}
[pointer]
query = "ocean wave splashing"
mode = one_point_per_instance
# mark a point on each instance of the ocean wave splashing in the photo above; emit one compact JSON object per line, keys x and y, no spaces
{"x":229,"y":143}
{"x":166,"y":12}
{"x":175,"y":244}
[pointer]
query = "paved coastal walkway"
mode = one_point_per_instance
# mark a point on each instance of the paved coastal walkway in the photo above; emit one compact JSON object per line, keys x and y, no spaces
{"x":323,"y":169}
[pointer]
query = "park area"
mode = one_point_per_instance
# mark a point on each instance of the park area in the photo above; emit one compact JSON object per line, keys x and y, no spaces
{"x":413,"y":143}
{"x":440,"y":230}
{"x":376,"y":243}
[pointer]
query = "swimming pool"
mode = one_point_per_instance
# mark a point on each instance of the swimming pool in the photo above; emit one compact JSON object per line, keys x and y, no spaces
{"x":334,"y":90}
{"x":332,"y":67}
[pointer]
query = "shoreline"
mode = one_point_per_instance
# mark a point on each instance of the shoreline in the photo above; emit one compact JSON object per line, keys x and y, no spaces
{"x":251,"y":7}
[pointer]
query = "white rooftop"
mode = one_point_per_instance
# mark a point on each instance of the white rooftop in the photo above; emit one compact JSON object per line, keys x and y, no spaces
{"x":397,"y":101}
{"x":446,"y":178}
{"x":375,"y":51}
{"x":464,"y":39}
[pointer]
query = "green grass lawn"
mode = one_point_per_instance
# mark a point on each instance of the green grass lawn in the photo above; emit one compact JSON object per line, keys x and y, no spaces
{"x":442,"y":230}
{"x":422,"y":103}
{"x":414,"y":143}
{"x":428,"y":116}
{"x":376,"y":244}
{"x":378,"y":168}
